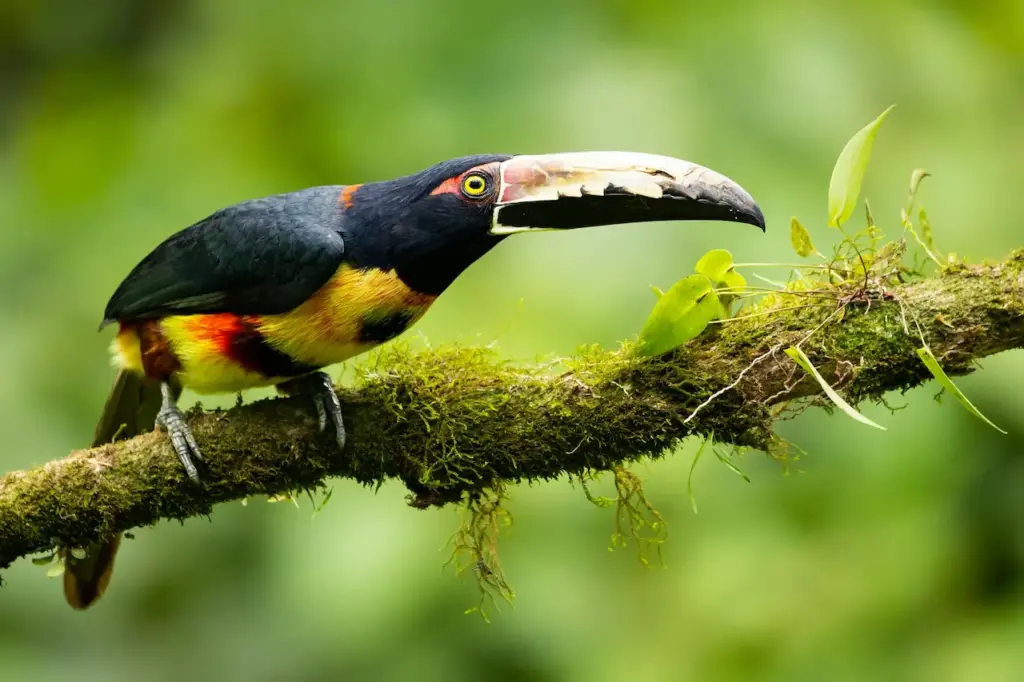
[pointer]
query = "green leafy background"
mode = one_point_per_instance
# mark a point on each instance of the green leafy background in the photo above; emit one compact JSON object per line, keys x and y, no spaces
{"x":884,"y":555}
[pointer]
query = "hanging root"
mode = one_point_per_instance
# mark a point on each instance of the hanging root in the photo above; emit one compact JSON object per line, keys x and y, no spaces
{"x":475,"y":546}
{"x":636,"y":518}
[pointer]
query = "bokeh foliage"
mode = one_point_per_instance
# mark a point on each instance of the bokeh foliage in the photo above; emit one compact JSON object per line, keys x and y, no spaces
{"x":893,"y":555}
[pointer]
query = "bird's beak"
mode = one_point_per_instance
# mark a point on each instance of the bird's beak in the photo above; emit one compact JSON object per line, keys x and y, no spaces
{"x":585,"y":189}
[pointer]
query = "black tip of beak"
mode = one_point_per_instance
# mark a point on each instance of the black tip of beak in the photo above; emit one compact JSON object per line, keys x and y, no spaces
{"x":734,"y":208}
{"x":724,"y":201}
{"x":754,"y":217}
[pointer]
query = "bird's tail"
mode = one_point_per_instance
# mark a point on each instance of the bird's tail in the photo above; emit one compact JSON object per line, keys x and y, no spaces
{"x":130,"y":410}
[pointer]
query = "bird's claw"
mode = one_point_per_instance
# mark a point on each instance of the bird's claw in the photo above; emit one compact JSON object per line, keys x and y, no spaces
{"x":328,"y":406}
{"x":185,"y":446}
{"x":321,"y":413}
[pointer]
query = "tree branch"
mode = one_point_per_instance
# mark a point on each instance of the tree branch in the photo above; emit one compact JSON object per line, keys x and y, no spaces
{"x":453,"y":420}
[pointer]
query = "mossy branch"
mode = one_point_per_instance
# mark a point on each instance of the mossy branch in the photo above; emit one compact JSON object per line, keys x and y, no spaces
{"x":454,"y":420}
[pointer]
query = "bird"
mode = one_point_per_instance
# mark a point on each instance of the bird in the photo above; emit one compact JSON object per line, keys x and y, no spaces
{"x":272,"y":291}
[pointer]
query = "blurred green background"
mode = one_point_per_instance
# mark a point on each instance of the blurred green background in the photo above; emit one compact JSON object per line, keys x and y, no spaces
{"x":885,"y":556}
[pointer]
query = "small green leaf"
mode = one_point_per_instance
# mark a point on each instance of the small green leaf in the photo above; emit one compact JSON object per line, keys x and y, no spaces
{"x":713,"y":306}
{"x":78,"y":553}
{"x":657,"y":292}
{"x":680,"y":315}
{"x":715,"y":264}
{"x":928,"y":358}
{"x":801,"y":359}
{"x":734,"y":280}
{"x":848,"y":173}
{"x":800,"y":238}
{"x":56,"y":571}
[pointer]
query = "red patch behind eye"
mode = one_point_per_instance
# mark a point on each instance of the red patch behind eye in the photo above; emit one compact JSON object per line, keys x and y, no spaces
{"x":454,"y":185}
{"x":346,"y":195}
{"x":449,"y":186}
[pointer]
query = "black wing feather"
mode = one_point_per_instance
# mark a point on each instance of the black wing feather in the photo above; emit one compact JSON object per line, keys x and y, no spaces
{"x":259,"y":257}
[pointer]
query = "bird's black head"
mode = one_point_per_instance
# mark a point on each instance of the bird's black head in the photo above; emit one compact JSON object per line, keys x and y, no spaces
{"x":429,"y":226}
{"x":432,"y":225}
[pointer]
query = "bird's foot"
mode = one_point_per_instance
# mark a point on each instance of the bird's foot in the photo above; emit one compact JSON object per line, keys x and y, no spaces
{"x":173,"y":421}
{"x":320,"y":387}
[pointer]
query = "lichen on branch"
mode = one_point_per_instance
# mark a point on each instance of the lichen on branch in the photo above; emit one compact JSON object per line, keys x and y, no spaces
{"x":454,"y":422}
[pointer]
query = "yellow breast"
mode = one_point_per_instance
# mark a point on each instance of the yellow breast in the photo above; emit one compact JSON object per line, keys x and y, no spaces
{"x":353,"y":312}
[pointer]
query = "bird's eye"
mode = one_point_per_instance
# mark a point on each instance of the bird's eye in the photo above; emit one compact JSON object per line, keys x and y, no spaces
{"x":475,"y":185}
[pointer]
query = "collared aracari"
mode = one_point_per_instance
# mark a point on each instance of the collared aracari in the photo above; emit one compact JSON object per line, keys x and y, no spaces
{"x":272,"y":290}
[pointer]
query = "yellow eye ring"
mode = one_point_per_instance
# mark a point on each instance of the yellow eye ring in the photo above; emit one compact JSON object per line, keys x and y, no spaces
{"x":475,"y":185}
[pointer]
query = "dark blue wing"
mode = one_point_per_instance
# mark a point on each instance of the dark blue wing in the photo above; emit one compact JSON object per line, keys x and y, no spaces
{"x":259,"y":257}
